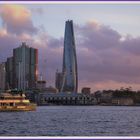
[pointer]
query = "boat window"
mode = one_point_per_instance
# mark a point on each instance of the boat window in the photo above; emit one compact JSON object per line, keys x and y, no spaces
{"x":11,"y":104}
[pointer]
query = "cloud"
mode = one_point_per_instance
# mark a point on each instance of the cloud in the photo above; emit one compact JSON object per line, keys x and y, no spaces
{"x":17,"y":19}
{"x":18,"y":27}
{"x":131,"y":45}
{"x":37,"y":10}
{"x":50,"y":56}
{"x":106,"y":59}
{"x":96,"y":36}
{"x":107,"y":64}
{"x":103,"y":56}
{"x":9,"y":41}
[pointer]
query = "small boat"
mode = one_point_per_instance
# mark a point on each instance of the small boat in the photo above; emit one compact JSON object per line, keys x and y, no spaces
{"x":11,"y":101}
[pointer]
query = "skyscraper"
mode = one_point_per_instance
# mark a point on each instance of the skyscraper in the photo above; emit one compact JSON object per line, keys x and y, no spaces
{"x":25,"y":61}
{"x":70,"y":77}
{"x":9,"y":73}
{"x":58,"y":80}
{"x":2,"y":76}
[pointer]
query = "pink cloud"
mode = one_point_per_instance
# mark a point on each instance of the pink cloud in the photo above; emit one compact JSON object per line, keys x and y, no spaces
{"x":17,"y":19}
{"x":104,"y":60}
{"x":102,"y":56}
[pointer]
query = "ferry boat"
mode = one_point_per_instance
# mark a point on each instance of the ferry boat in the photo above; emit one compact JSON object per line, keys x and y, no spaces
{"x":10,"y":101}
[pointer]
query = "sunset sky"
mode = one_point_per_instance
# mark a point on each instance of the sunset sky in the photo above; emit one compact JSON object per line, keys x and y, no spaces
{"x":107,"y":40}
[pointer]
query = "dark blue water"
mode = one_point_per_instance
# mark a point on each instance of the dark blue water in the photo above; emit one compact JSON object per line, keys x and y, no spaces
{"x":72,"y":121}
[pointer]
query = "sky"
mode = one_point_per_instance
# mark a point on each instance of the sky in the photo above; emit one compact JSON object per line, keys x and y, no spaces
{"x":107,"y":38}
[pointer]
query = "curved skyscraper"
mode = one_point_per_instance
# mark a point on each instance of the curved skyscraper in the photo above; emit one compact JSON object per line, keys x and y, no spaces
{"x":70,"y":78}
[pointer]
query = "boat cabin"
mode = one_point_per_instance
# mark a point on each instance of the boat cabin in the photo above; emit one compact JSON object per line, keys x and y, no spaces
{"x":7,"y":99}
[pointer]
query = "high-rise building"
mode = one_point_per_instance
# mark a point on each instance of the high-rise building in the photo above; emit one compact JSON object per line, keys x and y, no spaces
{"x":70,"y":76}
{"x":2,"y":76}
{"x":33,"y":67}
{"x":9,"y":73}
{"x":58,"y":80}
{"x":25,"y":62}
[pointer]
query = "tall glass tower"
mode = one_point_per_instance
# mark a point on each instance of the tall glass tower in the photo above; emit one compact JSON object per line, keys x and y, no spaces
{"x":70,"y":77}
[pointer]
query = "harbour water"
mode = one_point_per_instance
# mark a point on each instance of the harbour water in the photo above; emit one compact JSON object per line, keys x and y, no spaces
{"x":72,"y":121}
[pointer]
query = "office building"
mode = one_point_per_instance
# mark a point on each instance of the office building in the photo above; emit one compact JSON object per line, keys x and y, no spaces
{"x":2,"y":76}
{"x":25,"y":62}
{"x":9,"y":73}
{"x":70,"y":76}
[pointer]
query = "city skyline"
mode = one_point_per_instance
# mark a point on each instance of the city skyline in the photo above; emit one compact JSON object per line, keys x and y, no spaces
{"x":20,"y":70}
{"x":106,"y":41}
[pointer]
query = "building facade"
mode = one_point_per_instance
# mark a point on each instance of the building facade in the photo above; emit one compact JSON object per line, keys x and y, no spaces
{"x":41,"y":84}
{"x":65,"y":99}
{"x":70,"y":75}
{"x":58,"y":80}
{"x":2,"y":76}
{"x":86,"y":90}
{"x":9,"y":73}
{"x":25,"y":63}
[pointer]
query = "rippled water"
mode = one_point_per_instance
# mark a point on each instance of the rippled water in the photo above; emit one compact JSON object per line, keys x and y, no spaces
{"x":72,"y":121}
